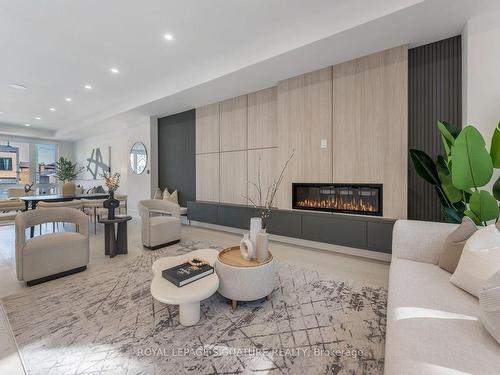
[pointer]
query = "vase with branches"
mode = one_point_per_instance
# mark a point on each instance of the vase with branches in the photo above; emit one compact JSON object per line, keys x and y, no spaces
{"x":265,"y":199}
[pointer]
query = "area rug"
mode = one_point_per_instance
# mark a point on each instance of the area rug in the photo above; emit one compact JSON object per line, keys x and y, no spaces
{"x":106,"y":322}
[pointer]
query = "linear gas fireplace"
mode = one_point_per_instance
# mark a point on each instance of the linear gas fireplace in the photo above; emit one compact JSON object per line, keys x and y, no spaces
{"x":365,"y":199}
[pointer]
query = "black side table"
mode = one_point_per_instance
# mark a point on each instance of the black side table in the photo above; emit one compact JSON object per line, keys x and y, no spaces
{"x":115,"y":244}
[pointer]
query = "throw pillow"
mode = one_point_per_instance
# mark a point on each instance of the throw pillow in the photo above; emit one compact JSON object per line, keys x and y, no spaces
{"x":454,"y":245}
{"x":165,"y":194}
{"x":171,"y":197}
{"x":489,"y":305}
{"x":158,"y":194}
{"x":479,"y":261}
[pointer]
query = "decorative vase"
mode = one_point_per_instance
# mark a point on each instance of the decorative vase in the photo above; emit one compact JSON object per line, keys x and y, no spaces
{"x":247,"y":249}
{"x":262,"y":246}
{"x":69,"y":189}
{"x":255,"y":227}
{"x":111,"y":204}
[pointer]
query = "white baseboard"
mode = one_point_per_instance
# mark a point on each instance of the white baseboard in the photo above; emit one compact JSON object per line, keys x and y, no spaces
{"x":305,"y":243}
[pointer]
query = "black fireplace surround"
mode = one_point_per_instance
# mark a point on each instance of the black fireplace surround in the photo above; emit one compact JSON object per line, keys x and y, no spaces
{"x":363,"y":199}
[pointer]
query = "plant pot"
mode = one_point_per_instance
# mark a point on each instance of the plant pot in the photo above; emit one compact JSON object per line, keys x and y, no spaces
{"x":69,"y":189}
{"x":255,"y":227}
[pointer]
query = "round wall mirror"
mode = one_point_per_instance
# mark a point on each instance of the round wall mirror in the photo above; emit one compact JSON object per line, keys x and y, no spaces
{"x":138,"y":157}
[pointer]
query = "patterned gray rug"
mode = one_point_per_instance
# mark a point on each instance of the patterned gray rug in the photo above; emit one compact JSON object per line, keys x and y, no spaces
{"x":106,"y":322}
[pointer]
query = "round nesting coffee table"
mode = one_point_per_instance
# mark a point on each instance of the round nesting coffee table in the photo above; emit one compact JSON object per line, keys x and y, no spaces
{"x":244,"y":280}
{"x":188,"y":297}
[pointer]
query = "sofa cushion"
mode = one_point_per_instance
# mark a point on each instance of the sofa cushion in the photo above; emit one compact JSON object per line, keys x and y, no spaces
{"x":454,"y":245}
{"x":489,"y":302}
{"x":434,"y":327}
{"x":479,"y":261}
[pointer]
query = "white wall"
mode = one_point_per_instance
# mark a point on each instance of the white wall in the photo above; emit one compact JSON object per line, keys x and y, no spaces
{"x":137,"y":187}
{"x":481,"y":73}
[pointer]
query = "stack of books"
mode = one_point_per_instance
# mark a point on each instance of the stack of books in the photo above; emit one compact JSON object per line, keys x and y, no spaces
{"x":186,"y":273}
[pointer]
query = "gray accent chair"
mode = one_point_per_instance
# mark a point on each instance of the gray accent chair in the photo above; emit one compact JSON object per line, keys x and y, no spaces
{"x":160,"y":222}
{"x":53,"y":255}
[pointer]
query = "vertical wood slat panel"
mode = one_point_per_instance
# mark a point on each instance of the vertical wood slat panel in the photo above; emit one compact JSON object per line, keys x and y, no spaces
{"x":434,"y":93}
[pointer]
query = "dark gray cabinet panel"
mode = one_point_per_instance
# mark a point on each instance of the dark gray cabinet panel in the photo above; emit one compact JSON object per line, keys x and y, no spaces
{"x":204,"y":212}
{"x":380,"y":236}
{"x":285,"y":223}
{"x":354,"y":231}
{"x":329,"y":229}
{"x":235,"y":216}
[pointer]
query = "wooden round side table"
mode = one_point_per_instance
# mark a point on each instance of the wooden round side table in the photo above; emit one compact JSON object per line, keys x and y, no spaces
{"x":244,"y":280}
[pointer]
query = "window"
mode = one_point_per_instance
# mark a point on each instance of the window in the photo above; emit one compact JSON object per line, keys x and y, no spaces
{"x":24,"y":163}
{"x":5,"y":164}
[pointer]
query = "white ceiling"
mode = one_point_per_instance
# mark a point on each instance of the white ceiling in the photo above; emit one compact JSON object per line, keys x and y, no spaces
{"x":221,"y":48}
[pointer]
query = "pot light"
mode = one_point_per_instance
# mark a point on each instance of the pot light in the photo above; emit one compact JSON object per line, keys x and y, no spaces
{"x":1,"y":113}
{"x":114,"y":70}
{"x":17,"y":86}
{"x":88,"y":87}
{"x":52,"y":109}
{"x":68,"y":99}
{"x":27,"y":124}
{"x":38,"y":118}
{"x":168,"y":37}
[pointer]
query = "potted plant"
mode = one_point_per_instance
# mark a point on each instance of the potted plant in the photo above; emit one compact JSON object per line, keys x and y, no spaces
{"x":66,"y":171}
{"x":460,"y":176}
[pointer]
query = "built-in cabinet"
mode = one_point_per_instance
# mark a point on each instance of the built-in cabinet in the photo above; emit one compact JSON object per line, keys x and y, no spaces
{"x":346,"y":123}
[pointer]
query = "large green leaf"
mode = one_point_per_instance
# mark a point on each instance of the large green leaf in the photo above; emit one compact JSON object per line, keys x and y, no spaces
{"x":453,"y":194}
{"x":484,"y":205}
{"x":496,"y":189}
{"x":424,"y":166}
{"x":448,"y":134}
{"x":472,"y":166}
{"x":473,"y":216}
{"x":452,"y":215}
{"x":495,"y":147}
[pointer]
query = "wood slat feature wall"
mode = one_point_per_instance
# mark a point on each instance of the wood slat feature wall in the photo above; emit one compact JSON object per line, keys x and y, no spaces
{"x":207,"y":177}
{"x":262,"y":118}
{"x":359,"y":108}
{"x":434,"y":93}
{"x":233,"y":124}
{"x":207,"y":129}
{"x":304,"y":119}
{"x":370,"y":125}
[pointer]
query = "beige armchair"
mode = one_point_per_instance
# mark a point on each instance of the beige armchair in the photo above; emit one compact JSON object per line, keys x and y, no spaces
{"x":160,"y":222}
{"x":94,"y":209}
{"x":9,"y":208}
{"x":53,"y":255}
{"x":76,"y":204}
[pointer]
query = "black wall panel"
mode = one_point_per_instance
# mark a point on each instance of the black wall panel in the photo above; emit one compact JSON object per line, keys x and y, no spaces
{"x":434,"y":93}
{"x":176,"y":155}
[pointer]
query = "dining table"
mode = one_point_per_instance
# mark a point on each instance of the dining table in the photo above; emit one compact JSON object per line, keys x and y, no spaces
{"x":31,"y":201}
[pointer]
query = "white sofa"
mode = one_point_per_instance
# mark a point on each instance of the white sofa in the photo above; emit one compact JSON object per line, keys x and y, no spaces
{"x":433,"y":327}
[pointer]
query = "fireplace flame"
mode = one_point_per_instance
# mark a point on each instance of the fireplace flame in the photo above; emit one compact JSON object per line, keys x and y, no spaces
{"x":338,"y":203}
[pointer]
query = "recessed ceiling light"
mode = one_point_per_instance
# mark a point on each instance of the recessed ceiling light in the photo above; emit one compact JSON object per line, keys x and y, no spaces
{"x":38,"y":118}
{"x":52,"y":109}
{"x":88,"y":87}
{"x":17,"y":86}
{"x":68,"y":99}
{"x":168,"y":37}
{"x":27,"y":124}
{"x":114,"y":70}
{"x":1,"y":113}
